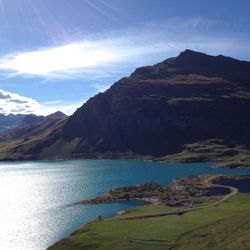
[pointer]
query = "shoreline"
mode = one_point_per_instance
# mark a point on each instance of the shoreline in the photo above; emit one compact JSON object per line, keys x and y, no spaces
{"x":180,"y":191}
{"x":218,"y":164}
{"x":207,"y":181}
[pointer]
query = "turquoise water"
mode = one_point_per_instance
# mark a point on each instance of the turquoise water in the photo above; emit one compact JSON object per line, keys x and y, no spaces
{"x":36,"y":196}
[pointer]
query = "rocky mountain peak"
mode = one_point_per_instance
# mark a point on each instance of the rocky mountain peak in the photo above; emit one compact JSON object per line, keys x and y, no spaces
{"x":190,"y":98}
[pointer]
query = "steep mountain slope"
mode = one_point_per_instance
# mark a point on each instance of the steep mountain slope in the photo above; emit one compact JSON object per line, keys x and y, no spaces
{"x":35,"y":119}
{"x":33,"y":129}
{"x":157,"y":110}
{"x":32,"y":119}
{"x":10,"y":121}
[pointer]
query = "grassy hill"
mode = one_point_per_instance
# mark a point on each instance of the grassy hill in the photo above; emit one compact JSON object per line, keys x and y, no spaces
{"x":225,"y":226}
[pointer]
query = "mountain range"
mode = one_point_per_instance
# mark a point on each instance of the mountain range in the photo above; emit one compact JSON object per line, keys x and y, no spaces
{"x":10,"y":121}
{"x":192,"y":107}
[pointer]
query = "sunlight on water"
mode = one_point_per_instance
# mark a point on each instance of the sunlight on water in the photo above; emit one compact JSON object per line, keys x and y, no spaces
{"x":35,"y":196}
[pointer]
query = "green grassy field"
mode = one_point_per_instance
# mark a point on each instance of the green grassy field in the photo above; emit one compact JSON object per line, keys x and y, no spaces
{"x":234,"y":164}
{"x":227,"y":224}
{"x":230,"y":155}
{"x":230,"y":233}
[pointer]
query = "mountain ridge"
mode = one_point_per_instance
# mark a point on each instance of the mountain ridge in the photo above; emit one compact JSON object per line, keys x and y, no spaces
{"x":10,"y":121}
{"x":156,"y":111}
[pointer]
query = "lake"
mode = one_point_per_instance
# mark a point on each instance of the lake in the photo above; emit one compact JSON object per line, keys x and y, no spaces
{"x":36,"y":197}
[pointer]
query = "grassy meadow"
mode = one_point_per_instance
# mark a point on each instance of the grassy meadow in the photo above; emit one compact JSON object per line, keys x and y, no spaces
{"x":225,"y":226}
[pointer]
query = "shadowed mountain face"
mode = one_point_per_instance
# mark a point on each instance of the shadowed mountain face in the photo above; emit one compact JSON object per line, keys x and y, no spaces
{"x":10,"y":121}
{"x":32,"y":126}
{"x":16,"y":142}
{"x":158,"y":109}
{"x":34,"y":119}
{"x":20,"y":120}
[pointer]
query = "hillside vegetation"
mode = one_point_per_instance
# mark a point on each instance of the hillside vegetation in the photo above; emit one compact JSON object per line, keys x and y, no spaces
{"x":225,"y":226}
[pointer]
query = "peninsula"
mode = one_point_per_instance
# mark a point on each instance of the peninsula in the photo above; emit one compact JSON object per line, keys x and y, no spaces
{"x":202,"y":211}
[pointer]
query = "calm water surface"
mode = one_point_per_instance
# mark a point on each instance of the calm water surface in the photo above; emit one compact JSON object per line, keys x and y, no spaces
{"x":35,"y":196}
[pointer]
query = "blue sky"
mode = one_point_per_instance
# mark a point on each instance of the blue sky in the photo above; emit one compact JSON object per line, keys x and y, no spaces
{"x":55,"y":54}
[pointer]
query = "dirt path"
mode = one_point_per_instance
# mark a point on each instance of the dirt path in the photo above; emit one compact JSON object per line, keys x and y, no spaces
{"x":183,"y":211}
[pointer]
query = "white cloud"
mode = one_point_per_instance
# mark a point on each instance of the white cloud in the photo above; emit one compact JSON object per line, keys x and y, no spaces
{"x":59,"y":59}
{"x":17,"y":104}
{"x":107,"y":53}
{"x":71,"y":59}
